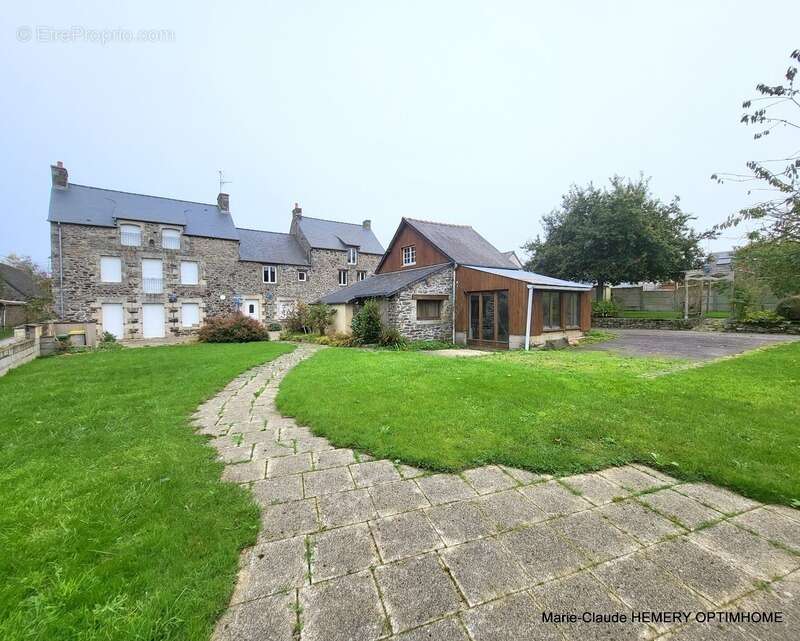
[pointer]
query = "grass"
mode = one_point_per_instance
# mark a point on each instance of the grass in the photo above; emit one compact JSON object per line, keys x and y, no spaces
{"x":667,"y":315}
{"x":114,"y":523}
{"x":597,"y":336}
{"x":734,"y":422}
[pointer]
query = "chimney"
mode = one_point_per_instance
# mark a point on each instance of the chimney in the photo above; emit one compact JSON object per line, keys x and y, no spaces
{"x":224,"y":203}
{"x":297,"y":212}
{"x":60,"y":175}
{"x":367,"y":224}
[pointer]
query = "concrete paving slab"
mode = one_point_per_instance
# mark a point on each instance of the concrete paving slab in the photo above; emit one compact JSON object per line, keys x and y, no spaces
{"x":508,"y":510}
{"x":393,"y":498}
{"x":374,"y":472}
{"x":342,"y":551}
{"x":686,"y":511}
{"x":271,"y":568}
{"x":514,"y":617}
{"x":445,"y":488}
{"x":405,"y":535}
{"x":442,"y":630}
{"x":717,"y":498}
{"x":554,"y":499}
{"x":346,"y":508}
{"x":244,"y":472}
{"x":294,"y":464}
{"x":416,"y":591}
{"x":542,"y":553}
{"x":632,"y":479}
{"x":336,"y":479}
{"x":772,"y":525}
{"x":272,"y":618}
{"x":279,"y":490}
{"x":594,"y":535}
{"x":489,"y":478}
{"x":595,"y":488}
{"x":642,"y":523}
{"x":459,"y":522}
{"x":333,"y":458}
{"x":524,"y":476}
{"x":289,"y":519}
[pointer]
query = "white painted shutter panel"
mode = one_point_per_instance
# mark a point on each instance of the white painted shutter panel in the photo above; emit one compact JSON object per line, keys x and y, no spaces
{"x":112,"y":319}
{"x":189,"y":273}
{"x":152,"y":321}
{"x":190,"y":314}
{"x":110,"y":269}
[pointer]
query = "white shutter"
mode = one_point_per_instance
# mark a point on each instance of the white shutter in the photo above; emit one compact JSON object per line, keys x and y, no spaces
{"x":112,"y":319}
{"x":189,"y":273}
{"x":190,"y":314}
{"x":110,"y":269}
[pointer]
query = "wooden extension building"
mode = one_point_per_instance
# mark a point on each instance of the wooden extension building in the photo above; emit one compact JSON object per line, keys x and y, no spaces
{"x":439,"y":281}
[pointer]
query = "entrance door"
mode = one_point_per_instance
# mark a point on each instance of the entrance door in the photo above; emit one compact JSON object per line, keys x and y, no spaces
{"x":252,"y":308}
{"x":153,"y":320}
{"x":488,"y":319}
{"x":112,"y":319}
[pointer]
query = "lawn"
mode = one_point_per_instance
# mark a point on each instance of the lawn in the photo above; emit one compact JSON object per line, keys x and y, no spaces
{"x":734,"y":422}
{"x":114,"y":522}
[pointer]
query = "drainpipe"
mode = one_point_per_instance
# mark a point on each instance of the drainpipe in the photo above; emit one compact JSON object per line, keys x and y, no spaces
{"x":60,"y":272}
{"x":528,"y":321}
{"x":454,"y":303}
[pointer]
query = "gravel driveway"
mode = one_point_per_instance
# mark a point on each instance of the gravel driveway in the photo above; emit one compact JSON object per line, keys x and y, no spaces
{"x":699,"y":346}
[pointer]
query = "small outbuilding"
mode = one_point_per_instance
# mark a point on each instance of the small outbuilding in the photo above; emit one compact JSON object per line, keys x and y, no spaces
{"x":439,"y":281}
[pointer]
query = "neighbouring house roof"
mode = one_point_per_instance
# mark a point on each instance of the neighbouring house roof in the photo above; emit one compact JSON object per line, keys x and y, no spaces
{"x":83,"y":205}
{"x":330,"y":234}
{"x":17,"y":284}
{"x":512,"y":258}
{"x":380,"y":285}
{"x":461,"y":243}
{"x":270,"y":247}
{"x":539,"y":281}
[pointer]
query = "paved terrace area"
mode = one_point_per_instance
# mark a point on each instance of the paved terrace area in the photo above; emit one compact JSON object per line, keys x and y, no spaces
{"x":355,"y":549}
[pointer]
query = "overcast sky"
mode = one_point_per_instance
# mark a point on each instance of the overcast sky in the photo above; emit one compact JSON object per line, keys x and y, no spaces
{"x":479,"y":113}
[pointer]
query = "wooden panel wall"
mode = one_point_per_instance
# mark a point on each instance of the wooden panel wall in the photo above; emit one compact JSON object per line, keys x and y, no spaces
{"x":586,"y":311}
{"x":427,"y":254}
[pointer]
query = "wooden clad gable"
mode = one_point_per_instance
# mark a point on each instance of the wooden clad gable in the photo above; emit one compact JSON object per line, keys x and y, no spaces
{"x":427,"y":253}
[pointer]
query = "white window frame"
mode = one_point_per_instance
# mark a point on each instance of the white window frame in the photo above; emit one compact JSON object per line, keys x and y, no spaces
{"x":273,"y":271}
{"x":302,"y":276}
{"x":346,"y":278}
{"x":153,"y":284}
{"x":185,"y":281}
{"x":361,"y":274}
{"x":117,"y":270}
{"x":166,"y":233}
{"x":130,"y":230}
{"x":352,"y":255}
{"x":409,"y":255}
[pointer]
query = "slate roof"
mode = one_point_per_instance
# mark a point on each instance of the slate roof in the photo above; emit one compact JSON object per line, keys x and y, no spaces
{"x":17,"y":284}
{"x":539,"y":281}
{"x":83,"y":205}
{"x":512,"y":258}
{"x":270,"y":247}
{"x":380,"y":285}
{"x":330,"y":234}
{"x":461,"y":243}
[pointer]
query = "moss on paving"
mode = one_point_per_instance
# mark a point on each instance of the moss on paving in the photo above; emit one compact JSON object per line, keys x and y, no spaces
{"x":734,"y":422}
{"x":114,"y":523}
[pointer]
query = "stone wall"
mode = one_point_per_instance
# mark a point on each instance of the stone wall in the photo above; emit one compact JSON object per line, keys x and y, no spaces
{"x":644,"y":323}
{"x":401,"y":309}
{"x":22,"y":348}
{"x":221,"y":273}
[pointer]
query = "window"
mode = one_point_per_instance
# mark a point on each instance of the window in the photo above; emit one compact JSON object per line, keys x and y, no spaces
{"x":110,"y":269}
{"x":361,"y":275}
{"x":302,"y":276}
{"x":571,"y":307}
{"x":130,"y":235}
{"x":352,"y":256}
{"x":152,"y":276}
{"x":343,"y":277}
{"x":429,"y":309}
{"x":270,"y":274}
{"x":170,"y":239}
{"x":551,"y":306}
{"x":190,"y":314}
{"x":190,"y":273}
{"x":410,"y":255}
{"x":488,"y":316}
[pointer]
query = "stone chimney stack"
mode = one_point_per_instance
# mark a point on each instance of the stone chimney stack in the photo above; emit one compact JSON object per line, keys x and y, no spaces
{"x":60,"y":175}
{"x":224,"y":203}
{"x":297,"y":213}
{"x":367,"y":224}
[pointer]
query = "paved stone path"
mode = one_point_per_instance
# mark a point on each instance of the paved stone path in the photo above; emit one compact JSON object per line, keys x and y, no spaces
{"x":355,"y":549}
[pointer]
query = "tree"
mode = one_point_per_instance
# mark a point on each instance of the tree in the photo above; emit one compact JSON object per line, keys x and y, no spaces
{"x":778,"y":109}
{"x":776,"y":263}
{"x":366,"y":324}
{"x":613,"y":235}
{"x":39,"y":305}
{"x":320,"y":317}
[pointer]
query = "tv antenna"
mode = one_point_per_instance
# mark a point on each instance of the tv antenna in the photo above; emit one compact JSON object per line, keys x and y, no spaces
{"x":222,"y":180}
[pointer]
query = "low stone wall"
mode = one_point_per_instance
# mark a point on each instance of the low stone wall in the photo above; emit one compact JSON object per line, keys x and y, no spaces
{"x":785,"y":328}
{"x":18,"y":351}
{"x":644,"y":323}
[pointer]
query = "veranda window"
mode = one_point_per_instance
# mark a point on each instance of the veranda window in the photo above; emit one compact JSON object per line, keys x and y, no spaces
{"x":551,"y":308}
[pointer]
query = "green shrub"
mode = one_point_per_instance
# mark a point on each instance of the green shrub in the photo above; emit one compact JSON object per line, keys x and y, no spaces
{"x":414,"y":346}
{"x":789,"y":308}
{"x":390,"y":337}
{"x":108,"y":342}
{"x":763,"y":319}
{"x":320,"y":317}
{"x":234,"y":328}
{"x":299,"y":322}
{"x":367,"y":324}
{"x":605,"y":309}
{"x":274,"y":327}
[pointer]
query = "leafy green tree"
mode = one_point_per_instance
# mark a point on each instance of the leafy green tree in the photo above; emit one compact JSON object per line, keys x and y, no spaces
{"x":616,"y":234}
{"x":39,"y":307}
{"x":320,"y":317}
{"x":777,"y":108}
{"x":367,"y":324}
{"x":776,"y":263}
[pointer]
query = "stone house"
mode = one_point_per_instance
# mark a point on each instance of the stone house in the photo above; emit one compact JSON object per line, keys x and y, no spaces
{"x":18,"y":290}
{"x":446,"y":282}
{"x":146,"y":266}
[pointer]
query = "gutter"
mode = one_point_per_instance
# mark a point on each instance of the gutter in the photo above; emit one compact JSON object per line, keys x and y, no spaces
{"x":528,"y":319}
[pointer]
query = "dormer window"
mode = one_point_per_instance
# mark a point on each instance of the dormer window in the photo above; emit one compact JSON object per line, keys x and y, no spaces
{"x":130,"y":235}
{"x":352,"y":256}
{"x":409,"y":255}
{"x":170,"y":238}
